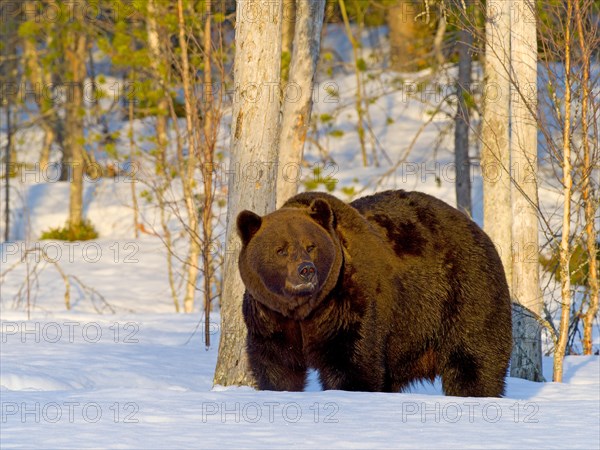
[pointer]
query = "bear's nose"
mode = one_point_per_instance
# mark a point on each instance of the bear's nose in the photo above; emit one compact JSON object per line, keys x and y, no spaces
{"x":307,"y":271}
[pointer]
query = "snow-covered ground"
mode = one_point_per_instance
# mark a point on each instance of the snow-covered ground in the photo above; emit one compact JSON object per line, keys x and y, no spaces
{"x":81,"y":380}
{"x":121,"y":370}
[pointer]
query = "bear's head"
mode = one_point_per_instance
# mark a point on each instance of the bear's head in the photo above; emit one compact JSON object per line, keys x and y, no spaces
{"x":290,"y":259}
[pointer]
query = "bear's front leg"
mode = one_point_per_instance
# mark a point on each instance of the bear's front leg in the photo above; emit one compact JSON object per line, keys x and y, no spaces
{"x":343,"y":366}
{"x":274,"y":346}
{"x":349,"y":379}
{"x":276,"y":365}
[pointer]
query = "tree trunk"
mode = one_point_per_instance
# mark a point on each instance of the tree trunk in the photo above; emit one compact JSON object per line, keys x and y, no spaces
{"x":461,"y":129}
{"x":254,"y":136}
{"x":9,"y":75}
{"x":495,"y":150}
{"x":207,"y":176}
{"x":49,"y":138}
{"x":565,"y":247}
{"x":53,"y":77}
{"x":132,"y":162}
{"x":590,"y":204}
{"x":403,"y":29}
{"x":438,"y":40}
{"x":526,"y":360}
{"x":76,"y":51}
{"x":8,"y":171}
{"x":297,"y":99}
{"x":39,"y":82}
{"x":509,"y":136}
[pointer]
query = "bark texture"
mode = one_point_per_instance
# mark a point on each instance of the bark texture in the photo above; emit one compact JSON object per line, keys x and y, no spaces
{"x":526,"y":359}
{"x":252,"y":176}
{"x":297,"y":98}
{"x":462,"y":121}
{"x":73,"y":158}
{"x":565,"y":246}
{"x":495,"y":151}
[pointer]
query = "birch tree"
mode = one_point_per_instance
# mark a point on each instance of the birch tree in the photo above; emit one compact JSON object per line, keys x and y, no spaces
{"x":565,"y":246}
{"x":566,"y":125}
{"x":210,"y":131}
{"x":297,"y":98}
{"x":254,"y":137}
{"x":588,"y":38}
{"x":526,"y":360}
{"x":509,"y":168}
{"x":495,"y":151}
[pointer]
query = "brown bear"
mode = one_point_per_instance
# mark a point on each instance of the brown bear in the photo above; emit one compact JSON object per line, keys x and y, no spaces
{"x":390,"y":289}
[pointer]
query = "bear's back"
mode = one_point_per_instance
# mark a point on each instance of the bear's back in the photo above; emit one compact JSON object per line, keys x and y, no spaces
{"x":430,"y":235}
{"x":412,"y":217}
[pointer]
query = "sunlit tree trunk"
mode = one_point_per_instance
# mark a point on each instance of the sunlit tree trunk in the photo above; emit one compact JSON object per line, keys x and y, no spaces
{"x":133,"y":162}
{"x":210,"y":133}
{"x":565,"y":246}
{"x":526,"y":360}
{"x":403,"y":29}
{"x":297,"y":98}
{"x":254,"y":136}
{"x":590,"y":203}
{"x":495,"y":150}
{"x":40,"y":80}
{"x":73,"y":160}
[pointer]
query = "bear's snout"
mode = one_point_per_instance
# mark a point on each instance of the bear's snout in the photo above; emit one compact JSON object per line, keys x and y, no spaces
{"x":307,"y":271}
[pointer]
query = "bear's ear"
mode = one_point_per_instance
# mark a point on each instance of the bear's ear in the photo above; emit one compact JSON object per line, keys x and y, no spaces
{"x":248,"y":223}
{"x":320,"y":211}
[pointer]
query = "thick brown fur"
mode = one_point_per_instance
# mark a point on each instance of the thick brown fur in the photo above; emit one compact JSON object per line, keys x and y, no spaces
{"x":405,"y":288}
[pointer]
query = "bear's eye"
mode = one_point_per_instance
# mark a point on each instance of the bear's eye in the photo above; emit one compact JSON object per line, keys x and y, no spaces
{"x":310,"y":248}
{"x":282,"y":252}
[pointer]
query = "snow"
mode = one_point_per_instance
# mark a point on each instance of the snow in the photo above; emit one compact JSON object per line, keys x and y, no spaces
{"x":122,"y":370}
{"x":82,"y":380}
